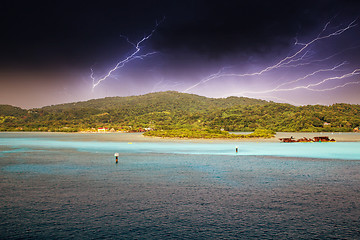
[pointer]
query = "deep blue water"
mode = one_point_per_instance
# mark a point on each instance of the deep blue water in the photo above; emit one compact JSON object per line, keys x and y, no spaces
{"x":69,"y":187}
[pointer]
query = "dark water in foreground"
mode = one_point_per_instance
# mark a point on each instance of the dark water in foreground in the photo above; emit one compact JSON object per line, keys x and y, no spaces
{"x":73,"y":192}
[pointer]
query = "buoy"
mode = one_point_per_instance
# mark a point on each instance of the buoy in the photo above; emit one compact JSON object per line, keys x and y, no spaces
{"x":236,"y":149}
{"x":116,"y":157}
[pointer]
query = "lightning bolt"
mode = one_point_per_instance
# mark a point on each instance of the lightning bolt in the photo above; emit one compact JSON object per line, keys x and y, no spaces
{"x":287,"y":65}
{"x":131,"y":57}
{"x":298,"y":58}
{"x":351,"y":74}
{"x":336,"y":87}
{"x":310,"y":86}
{"x":311,"y":74}
{"x":211,"y":77}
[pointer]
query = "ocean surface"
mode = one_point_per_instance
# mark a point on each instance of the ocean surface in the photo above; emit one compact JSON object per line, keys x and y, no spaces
{"x":68,"y":186}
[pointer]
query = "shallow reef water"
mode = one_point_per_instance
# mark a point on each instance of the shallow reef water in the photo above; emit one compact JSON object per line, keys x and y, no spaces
{"x":70,"y":187}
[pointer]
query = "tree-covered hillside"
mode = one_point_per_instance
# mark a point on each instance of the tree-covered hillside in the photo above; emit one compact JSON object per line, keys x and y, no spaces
{"x":8,"y":110}
{"x":173,"y":110}
{"x":157,"y":102}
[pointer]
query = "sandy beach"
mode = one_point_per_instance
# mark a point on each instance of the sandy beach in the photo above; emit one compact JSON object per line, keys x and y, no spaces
{"x":138,"y":137}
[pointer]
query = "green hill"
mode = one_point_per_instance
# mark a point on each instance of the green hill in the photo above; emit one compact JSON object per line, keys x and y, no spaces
{"x":160,"y":101}
{"x":8,"y":110}
{"x":178,"y":111}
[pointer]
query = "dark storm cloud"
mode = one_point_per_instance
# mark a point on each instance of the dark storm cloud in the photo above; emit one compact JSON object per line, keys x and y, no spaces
{"x":219,"y":28}
{"x":68,"y":34}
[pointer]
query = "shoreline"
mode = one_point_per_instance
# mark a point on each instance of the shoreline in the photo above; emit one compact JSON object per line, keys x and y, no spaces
{"x":138,"y":137}
{"x":338,"y":136}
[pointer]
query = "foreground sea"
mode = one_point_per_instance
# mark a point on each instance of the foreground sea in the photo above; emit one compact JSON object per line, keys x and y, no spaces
{"x":68,"y":186}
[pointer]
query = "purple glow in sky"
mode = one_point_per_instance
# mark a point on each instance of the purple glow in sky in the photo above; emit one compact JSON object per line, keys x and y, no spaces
{"x":64,"y":52}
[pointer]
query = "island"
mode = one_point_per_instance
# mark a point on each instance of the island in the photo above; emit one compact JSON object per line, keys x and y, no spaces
{"x":181,"y":115}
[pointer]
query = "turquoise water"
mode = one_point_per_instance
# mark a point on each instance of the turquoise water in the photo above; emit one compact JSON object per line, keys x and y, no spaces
{"x":68,"y":186}
{"x":330,"y":150}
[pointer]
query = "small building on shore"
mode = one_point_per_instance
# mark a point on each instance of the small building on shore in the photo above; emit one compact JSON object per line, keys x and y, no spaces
{"x":326,"y":124}
{"x":103,"y":129}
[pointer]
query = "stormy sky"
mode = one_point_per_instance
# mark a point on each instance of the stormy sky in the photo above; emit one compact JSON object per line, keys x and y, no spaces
{"x":304,"y":52}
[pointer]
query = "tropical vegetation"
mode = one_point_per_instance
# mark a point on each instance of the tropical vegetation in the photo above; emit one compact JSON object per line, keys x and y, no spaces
{"x":173,"y":114}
